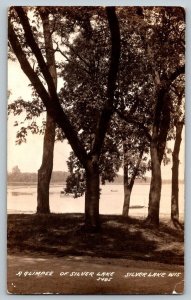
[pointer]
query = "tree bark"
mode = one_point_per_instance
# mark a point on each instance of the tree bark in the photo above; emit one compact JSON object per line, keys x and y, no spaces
{"x":164,"y":126}
{"x":126,"y":186}
{"x":108,"y":109}
{"x":129,"y":182}
{"x":161,"y":125}
{"x":156,"y":183}
{"x":92,"y":195}
{"x":45,"y":171}
{"x":175,"y":169}
{"x":127,"y":192}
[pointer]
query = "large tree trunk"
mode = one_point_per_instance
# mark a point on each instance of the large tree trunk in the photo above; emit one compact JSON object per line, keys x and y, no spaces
{"x":158,"y":144}
{"x":175,"y":169}
{"x":45,"y":171}
{"x":92,"y":195}
{"x":155,"y":187}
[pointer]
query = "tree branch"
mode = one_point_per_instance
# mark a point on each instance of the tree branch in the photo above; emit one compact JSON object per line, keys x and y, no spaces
{"x":131,"y":120}
{"x":77,"y":54}
{"x":136,"y":168}
{"x":112,"y":77}
{"x":52,"y":104}
{"x":36,"y":50}
{"x":66,"y":57}
{"x":180,"y":70}
{"x":25,"y":66}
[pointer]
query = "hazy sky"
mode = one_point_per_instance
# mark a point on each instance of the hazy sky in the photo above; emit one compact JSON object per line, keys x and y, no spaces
{"x":28,"y":155}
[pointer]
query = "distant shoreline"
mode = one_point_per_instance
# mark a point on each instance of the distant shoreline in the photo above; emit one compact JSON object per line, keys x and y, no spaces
{"x":60,"y":178}
{"x":62,"y":184}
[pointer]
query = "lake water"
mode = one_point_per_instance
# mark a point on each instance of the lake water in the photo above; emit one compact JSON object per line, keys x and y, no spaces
{"x":22,"y":199}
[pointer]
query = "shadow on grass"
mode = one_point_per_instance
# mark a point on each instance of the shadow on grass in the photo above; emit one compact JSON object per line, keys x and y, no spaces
{"x":62,"y":234}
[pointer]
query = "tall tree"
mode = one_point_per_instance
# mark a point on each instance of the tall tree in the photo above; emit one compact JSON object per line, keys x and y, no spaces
{"x":32,"y":109}
{"x":90,"y":86}
{"x":175,"y":178}
{"x":45,"y":171}
{"x":90,"y":161}
{"x":160,"y":128}
{"x":173,"y":58}
{"x":163,"y":62}
{"x":177,"y":123}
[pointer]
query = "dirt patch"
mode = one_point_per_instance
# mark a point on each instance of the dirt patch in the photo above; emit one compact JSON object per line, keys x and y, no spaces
{"x":59,"y":244}
{"x":63,"y":234}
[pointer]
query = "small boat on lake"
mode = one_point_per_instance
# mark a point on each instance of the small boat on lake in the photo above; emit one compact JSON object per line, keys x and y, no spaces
{"x":137,"y":206}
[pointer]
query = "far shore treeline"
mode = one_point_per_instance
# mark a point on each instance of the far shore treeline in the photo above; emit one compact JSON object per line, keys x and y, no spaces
{"x":60,"y":177}
{"x":27,"y":177}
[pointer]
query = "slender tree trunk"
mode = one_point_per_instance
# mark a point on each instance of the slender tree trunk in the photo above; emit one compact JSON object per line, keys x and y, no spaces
{"x":127,"y":191}
{"x":127,"y":198}
{"x":128,"y":184}
{"x":92,"y":195}
{"x":155,"y":186}
{"x":45,"y":171}
{"x":175,"y":169}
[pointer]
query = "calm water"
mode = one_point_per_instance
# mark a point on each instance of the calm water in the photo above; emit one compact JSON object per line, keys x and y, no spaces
{"x":22,"y":199}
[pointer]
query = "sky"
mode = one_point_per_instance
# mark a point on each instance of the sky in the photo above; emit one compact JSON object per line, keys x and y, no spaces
{"x":28,"y":155}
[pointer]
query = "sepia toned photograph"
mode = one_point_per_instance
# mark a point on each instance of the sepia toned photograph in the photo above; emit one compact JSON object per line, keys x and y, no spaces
{"x":96,"y":136}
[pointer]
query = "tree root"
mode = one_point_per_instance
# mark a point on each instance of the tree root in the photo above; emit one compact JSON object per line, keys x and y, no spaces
{"x":176,"y":224}
{"x":151,"y":222}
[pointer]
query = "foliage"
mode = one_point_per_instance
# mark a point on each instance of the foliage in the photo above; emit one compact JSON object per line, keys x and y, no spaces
{"x":152,"y":49}
{"x":28,"y":177}
{"x":16,"y":170}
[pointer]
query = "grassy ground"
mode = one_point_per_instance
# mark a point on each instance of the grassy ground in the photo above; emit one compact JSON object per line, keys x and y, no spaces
{"x":61,"y":234}
{"x":58,"y":240}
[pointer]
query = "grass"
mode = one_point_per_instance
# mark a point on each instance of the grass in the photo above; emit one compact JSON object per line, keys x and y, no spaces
{"x":61,"y":235}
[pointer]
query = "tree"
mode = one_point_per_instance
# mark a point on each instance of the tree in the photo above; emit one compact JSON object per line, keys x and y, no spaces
{"x":34,"y":109}
{"x":177,"y":123}
{"x":172,"y":57}
{"x":90,"y":161}
{"x":155,"y":66}
{"x":87,"y":85}
{"x":16,"y":170}
{"x":75,"y":182}
{"x":160,"y":128}
{"x":131,"y":171}
{"x":175,"y":167}
{"x":163,"y":62}
{"x":45,"y":171}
